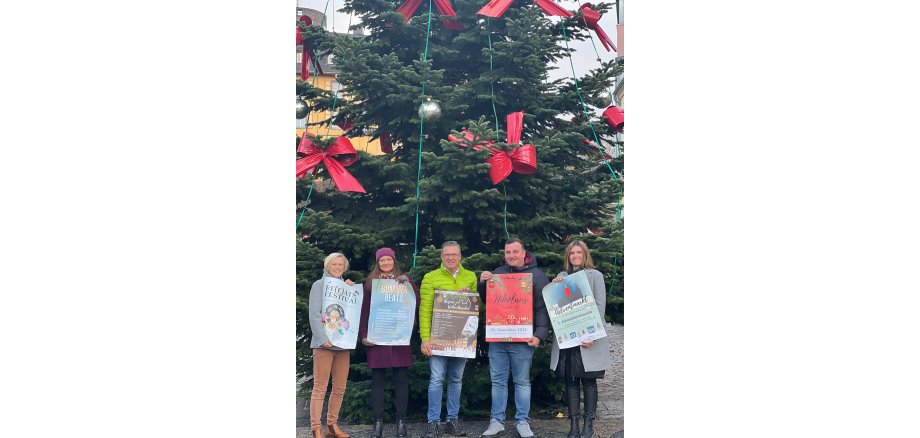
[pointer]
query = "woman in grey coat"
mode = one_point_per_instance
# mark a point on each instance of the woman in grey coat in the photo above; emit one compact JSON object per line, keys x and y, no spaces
{"x":328,"y":360}
{"x":581,"y":367}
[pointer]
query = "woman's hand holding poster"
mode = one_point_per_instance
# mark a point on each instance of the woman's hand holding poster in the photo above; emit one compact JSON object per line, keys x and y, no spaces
{"x":342,"y":312}
{"x":573,"y":311}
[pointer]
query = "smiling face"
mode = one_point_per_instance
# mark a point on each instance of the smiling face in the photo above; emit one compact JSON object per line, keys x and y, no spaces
{"x":450,"y":256}
{"x":385,"y":264}
{"x":514,"y":254}
{"x":337,"y":267}
{"x":577,"y":257}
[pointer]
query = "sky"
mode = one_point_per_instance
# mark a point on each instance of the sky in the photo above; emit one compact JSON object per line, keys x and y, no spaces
{"x":583,"y":60}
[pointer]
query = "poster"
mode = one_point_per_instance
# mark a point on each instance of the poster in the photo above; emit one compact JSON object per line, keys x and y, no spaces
{"x":509,"y":307}
{"x":341,"y":315}
{"x":573,"y":311}
{"x":392,"y":312}
{"x":454,"y":323}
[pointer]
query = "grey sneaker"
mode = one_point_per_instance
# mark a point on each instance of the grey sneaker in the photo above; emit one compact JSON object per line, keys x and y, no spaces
{"x":495,"y":428}
{"x":453,"y":428}
{"x":432,"y":430}
{"x":523,"y":428}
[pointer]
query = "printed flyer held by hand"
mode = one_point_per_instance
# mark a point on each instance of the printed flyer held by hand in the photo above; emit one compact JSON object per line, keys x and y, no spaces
{"x":342,"y":312}
{"x":392,"y":312}
{"x":509,"y":308}
{"x":454,"y":323}
{"x":573,"y":311}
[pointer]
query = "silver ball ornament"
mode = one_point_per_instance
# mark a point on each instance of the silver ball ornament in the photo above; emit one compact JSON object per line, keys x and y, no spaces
{"x":605,"y":98}
{"x":301,"y":108}
{"x":429,"y":111}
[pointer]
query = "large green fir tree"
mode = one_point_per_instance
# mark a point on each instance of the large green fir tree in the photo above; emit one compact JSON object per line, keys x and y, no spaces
{"x":574,"y":189}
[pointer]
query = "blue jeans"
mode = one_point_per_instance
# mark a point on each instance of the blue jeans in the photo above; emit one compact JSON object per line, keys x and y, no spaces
{"x":516,"y":357}
{"x":450,"y":369}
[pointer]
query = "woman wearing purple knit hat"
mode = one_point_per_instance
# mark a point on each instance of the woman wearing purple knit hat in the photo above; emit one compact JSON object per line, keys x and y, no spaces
{"x":381,"y":357}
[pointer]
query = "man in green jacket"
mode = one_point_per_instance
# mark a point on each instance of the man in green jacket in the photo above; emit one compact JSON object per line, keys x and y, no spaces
{"x":450,"y":276}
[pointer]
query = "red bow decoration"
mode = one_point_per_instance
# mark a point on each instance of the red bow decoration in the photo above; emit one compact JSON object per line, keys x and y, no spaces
{"x":300,"y":32}
{"x":614,"y":117}
{"x":408,"y":8}
{"x":346,"y":125}
{"x":452,"y":24}
{"x":306,"y":60}
{"x":591,"y":18}
{"x":386,"y":143}
{"x":497,"y":8}
{"x":521,"y":159}
{"x":338,"y":155}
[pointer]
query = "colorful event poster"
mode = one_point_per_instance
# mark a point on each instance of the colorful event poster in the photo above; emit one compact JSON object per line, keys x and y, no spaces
{"x":509,"y":308}
{"x":573,"y":311}
{"x":392,"y":312}
{"x":454,"y":323}
{"x":342,"y":312}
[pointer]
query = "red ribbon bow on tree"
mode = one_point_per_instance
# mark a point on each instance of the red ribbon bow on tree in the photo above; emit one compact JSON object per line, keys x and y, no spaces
{"x":521,"y":159}
{"x":591,"y":18}
{"x":408,"y":8}
{"x":614,"y":118}
{"x":307,"y":55}
{"x":497,"y":8}
{"x":386,"y":143}
{"x":338,"y":155}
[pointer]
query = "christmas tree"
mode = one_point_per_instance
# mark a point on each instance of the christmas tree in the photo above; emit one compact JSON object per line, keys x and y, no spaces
{"x":477,"y":70}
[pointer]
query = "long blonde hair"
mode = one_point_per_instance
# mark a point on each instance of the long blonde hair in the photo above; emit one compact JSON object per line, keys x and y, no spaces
{"x":589,"y":263}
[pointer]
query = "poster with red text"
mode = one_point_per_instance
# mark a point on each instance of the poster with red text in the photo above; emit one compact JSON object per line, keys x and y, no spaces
{"x":509,"y":308}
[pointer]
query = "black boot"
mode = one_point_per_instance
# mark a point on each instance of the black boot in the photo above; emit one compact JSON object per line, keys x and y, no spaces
{"x":590,"y":408}
{"x":573,"y":429}
{"x":401,"y":428}
{"x":573,"y":396}
{"x":378,"y":428}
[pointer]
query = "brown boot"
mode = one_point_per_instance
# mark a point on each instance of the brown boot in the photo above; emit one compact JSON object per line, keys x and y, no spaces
{"x":335,"y":431}
{"x":316,"y":433}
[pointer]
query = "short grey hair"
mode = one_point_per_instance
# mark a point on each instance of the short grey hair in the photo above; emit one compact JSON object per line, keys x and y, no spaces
{"x":449,"y":243}
{"x":331,"y":257}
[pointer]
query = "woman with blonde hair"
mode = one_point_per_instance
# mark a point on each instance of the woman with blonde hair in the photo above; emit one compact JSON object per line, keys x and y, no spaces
{"x":581,"y":366}
{"x":327,"y":358}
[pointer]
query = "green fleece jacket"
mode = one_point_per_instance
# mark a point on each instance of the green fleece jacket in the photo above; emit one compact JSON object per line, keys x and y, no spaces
{"x":440,"y":279}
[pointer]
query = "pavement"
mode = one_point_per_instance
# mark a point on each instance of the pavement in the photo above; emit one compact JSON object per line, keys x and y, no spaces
{"x":609,"y":422}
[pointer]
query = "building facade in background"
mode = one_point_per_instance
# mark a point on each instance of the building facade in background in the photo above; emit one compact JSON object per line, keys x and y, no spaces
{"x":327,"y":81}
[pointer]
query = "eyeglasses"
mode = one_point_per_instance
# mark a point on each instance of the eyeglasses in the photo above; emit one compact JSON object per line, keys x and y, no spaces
{"x":450,"y":255}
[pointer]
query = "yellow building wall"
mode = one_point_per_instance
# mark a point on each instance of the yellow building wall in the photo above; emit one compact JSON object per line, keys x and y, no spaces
{"x":360,"y":143}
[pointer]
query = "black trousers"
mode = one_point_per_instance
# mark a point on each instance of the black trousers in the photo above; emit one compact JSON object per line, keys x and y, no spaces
{"x":573,"y":388}
{"x":400,"y":382}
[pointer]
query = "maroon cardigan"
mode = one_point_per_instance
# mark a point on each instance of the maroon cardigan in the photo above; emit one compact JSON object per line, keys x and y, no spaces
{"x":385,"y":356}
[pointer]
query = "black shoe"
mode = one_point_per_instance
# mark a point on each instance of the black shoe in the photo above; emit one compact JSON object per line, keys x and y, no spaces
{"x":432,"y":430}
{"x":378,"y":428}
{"x":454,"y":428}
{"x":401,"y":428}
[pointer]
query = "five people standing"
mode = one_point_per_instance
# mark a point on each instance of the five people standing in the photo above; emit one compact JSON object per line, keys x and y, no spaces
{"x":579,"y":367}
